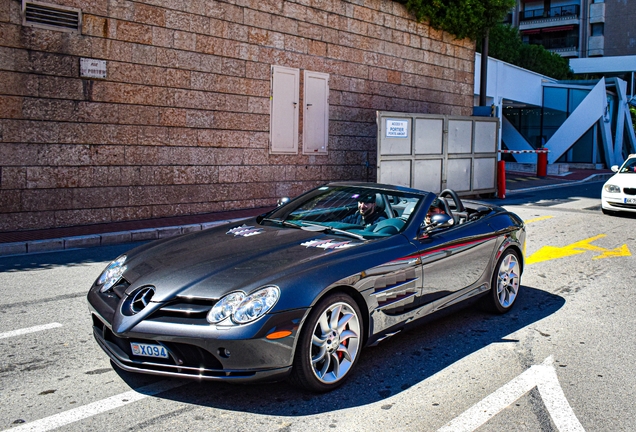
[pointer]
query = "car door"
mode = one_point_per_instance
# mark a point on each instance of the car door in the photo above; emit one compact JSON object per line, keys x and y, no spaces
{"x":454,"y":259}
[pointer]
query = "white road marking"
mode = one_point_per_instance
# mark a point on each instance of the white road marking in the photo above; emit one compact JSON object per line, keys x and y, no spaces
{"x":86,"y":411}
{"x":29,"y":330}
{"x":543,"y":377}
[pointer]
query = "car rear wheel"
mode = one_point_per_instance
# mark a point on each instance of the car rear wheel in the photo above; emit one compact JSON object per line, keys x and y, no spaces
{"x":506,"y":281}
{"x":329,"y":344}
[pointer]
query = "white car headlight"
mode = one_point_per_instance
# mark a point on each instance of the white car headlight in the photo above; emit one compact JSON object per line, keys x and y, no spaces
{"x":244,"y":309}
{"x":612,"y":188}
{"x":112,"y":273}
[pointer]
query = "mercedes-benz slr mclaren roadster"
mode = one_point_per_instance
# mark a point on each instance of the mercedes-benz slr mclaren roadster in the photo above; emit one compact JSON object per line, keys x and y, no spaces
{"x":299,"y":291}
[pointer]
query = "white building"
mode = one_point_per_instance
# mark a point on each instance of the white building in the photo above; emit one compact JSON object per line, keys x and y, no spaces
{"x":583,"y":122}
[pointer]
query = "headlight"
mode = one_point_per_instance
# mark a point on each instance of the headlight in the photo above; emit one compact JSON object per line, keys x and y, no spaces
{"x":225,"y":307}
{"x":612,"y":188}
{"x":112,"y":274}
{"x":244,"y":309}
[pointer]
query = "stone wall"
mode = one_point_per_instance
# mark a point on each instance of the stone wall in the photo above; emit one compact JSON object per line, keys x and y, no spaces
{"x":181,"y":123}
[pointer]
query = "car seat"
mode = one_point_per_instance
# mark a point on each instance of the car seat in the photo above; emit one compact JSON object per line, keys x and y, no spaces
{"x":381,"y":206}
{"x":408,"y":210}
{"x":389,"y":226}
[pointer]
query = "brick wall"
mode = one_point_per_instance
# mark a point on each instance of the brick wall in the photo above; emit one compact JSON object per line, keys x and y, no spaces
{"x":619,"y":38}
{"x":181,"y":123}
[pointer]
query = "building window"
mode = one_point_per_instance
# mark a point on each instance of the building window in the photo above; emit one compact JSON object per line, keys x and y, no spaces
{"x":597,"y":29}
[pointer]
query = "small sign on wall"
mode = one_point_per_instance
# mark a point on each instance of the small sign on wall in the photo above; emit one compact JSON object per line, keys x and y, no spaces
{"x":397,"y":128}
{"x":92,"y":68}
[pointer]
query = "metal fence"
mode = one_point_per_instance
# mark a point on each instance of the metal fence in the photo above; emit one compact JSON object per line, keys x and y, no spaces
{"x":436,"y":152}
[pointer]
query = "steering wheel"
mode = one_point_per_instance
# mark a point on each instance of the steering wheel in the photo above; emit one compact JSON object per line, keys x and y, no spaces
{"x":459,"y":206}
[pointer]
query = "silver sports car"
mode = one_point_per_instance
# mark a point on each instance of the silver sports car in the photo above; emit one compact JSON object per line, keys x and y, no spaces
{"x":299,"y":291}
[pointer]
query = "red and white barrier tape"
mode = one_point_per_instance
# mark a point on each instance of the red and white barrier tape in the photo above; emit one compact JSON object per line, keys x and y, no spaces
{"x":524,"y":151}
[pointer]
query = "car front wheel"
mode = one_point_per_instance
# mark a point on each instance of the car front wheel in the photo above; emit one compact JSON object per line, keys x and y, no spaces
{"x":329,"y":344}
{"x":506,"y":281}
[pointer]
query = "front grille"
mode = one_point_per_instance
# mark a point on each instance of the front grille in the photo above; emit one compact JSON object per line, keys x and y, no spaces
{"x":113,"y":296}
{"x":183,"y":311}
{"x":622,"y":205}
{"x":121,"y":288}
{"x":629,"y":191}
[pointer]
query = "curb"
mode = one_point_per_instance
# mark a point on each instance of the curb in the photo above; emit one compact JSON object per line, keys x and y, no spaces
{"x":105,"y":239}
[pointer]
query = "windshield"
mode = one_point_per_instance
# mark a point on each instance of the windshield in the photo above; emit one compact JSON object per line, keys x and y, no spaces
{"x":354,"y":210}
{"x":629,"y":166}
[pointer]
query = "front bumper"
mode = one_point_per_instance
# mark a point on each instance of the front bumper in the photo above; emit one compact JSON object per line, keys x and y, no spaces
{"x":616,"y":202}
{"x":199,"y":350}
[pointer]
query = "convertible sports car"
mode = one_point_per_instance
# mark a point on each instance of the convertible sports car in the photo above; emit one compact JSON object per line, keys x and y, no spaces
{"x":299,"y":291}
{"x":619,"y":192}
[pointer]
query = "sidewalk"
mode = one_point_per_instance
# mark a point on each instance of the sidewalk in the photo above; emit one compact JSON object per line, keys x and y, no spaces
{"x":55,"y":239}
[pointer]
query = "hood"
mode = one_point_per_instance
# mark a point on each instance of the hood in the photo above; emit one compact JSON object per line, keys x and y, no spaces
{"x":212,"y":263}
{"x":623,"y":180}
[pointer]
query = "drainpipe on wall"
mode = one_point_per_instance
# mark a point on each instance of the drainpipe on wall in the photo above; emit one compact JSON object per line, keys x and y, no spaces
{"x":483,"y":84}
{"x":583,"y":40}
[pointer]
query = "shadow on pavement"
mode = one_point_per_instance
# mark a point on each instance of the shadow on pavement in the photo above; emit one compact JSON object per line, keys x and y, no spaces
{"x":548,"y":197}
{"x":67,"y":258}
{"x":383,"y":371}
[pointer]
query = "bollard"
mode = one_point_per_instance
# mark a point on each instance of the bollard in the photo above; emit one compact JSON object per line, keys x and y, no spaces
{"x":542,"y":163}
{"x":501,"y":179}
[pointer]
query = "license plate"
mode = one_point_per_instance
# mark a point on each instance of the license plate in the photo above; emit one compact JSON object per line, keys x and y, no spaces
{"x":630,"y":200}
{"x":148,"y":350}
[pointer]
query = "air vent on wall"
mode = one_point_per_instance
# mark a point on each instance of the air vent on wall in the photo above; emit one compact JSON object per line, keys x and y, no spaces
{"x":50,"y":16}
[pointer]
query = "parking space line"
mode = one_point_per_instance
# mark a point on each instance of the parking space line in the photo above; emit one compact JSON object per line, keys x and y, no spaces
{"x":28,"y":330}
{"x":94,"y":408}
{"x":542,"y":376}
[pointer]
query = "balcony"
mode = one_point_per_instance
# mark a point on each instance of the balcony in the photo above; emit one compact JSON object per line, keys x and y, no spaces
{"x":556,"y":44}
{"x":563,"y":12}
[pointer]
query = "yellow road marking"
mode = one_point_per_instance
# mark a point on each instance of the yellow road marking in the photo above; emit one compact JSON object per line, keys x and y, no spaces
{"x":547,"y":253}
{"x":538,"y":219}
{"x":618,"y":252}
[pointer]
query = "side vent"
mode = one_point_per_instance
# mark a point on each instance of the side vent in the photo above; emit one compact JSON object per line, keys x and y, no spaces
{"x":51,"y":17}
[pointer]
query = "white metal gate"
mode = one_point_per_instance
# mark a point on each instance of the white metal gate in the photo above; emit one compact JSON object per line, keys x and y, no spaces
{"x":435,"y":152}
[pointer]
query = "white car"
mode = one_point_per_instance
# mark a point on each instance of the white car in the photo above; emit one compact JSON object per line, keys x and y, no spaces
{"x":619,"y":192}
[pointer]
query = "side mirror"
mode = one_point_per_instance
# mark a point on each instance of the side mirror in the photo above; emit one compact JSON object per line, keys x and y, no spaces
{"x":282,"y":201}
{"x":441,"y":220}
{"x":438,"y":221}
{"x":614,"y":168}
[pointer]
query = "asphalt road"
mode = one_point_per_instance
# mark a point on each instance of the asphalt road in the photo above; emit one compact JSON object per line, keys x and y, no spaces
{"x":562,"y":359}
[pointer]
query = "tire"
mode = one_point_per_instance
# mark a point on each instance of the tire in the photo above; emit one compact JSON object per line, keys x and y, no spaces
{"x":505,"y":284}
{"x":608,"y":212}
{"x":329,"y":344}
